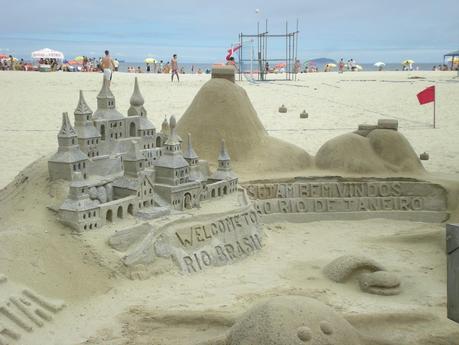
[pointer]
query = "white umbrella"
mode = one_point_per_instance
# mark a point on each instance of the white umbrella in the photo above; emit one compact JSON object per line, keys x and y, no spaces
{"x":358,"y":67}
{"x":47,"y":53}
{"x":379,"y":64}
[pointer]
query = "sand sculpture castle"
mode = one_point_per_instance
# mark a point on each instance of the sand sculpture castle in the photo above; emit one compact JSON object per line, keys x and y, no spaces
{"x":120,"y":165}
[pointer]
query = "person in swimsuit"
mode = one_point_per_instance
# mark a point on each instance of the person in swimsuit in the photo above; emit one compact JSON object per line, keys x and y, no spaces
{"x":108,"y":67}
{"x":174,"y":67}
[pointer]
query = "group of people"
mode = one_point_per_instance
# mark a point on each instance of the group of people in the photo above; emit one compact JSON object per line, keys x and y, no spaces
{"x":11,"y":64}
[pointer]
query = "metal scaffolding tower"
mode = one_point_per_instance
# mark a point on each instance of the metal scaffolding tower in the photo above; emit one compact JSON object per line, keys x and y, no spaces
{"x":246,"y":53}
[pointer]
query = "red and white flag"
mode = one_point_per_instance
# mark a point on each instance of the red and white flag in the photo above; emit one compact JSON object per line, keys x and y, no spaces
{"x":232,"y":50}
{"x":427,"y":95}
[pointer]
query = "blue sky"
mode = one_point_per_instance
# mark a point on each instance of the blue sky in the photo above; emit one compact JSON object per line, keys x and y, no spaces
{"x":202,"y":30}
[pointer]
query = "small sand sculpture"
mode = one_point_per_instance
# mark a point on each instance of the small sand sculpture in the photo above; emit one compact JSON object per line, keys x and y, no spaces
{"x":282,"y":109}
{"x":370,"y":149}
{"x":377,"y":281}
{"x":304,"y":115}
{"x":291,"y":320}
{"x":424,"y":156}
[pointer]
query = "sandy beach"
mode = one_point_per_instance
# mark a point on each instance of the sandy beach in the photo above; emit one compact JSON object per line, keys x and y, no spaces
{"x":33,"y":104}
{"x":103,"y":306}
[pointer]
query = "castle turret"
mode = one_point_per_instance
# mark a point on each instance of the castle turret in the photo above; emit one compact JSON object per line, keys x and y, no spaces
{"x":171,"y":168}
{"x":107,"y":119}
{"x":193,"y":160}
{"x":69,"y":158}
{"x":78,"y":210}
{"x":133,"y":161}
{"x":137,"y":101}
{"x":224,"y":171}
{"x":88,"y":135}
{"x":139,"y":124}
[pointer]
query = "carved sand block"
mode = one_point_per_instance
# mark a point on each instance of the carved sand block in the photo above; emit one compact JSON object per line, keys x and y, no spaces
{"x":388,"y":124}
{"x":224,"y":72}
{"x":23,"y":310}
{"x":304,"y":115}
{"x":196,"y":244}
{"x":331,"y":198}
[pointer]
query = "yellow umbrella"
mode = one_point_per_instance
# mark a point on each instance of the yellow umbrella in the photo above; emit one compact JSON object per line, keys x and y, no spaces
{"x":332,"y":65}
{"x":150,"y":60}
{"x":79,"y":58}
{"x":408,"y":62}
{"x":456,"y":59}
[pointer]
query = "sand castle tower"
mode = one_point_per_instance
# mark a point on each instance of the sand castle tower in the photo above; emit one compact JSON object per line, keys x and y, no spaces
{"x":193,"y":160}
{"x":172,"y":168}
{"x":224,"y":171}
{"x":88,"y":135}
{"x":138,"y":122}
{"x":78,"y":210}
{"x":133,"y":161}
{"x":107,"y":119}
{"x":137,"y":101}
{"x":69,"y":158}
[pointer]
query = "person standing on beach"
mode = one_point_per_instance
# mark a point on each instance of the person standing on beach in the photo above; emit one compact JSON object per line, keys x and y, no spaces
{"x":341,"y":66}
{"x":174,"y":67}
{"x":107,"y":67}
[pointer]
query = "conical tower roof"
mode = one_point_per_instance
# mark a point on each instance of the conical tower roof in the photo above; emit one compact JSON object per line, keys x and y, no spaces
{"x":82,"y":107}
{"x":105,"y":90}
{"x":223,"y":155}
{"x":136,"y":98}
{"x":190,"y":153}
{"x":165,"y":126}
{"x":67,"y":130}
{"x":173,"y":138}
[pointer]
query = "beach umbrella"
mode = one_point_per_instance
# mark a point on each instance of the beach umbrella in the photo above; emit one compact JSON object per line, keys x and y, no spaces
{"x":74,"y":62}
{"x":280,"y":65}
{"x":408,"y":62}
{"x":150,"y":60}
{"x":3,"y":56}
{"x":358,"y":67}
{"x":379,"y":64}
{"x":47,"y":53}
{"x":450,"y":59}
{"x":79,"y":58}
{"x":332,"y":65}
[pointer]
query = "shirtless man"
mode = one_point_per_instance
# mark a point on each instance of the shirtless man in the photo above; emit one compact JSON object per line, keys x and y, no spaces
{"x":174,"y":67}
{"x":108,"y":67}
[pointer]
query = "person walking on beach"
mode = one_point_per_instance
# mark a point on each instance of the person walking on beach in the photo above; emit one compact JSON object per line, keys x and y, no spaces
{"x":174,"y":67}
{"x":107,"y":67}
{"x":341,"y":66}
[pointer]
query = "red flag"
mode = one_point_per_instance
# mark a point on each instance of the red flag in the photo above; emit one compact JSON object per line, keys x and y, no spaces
{"x":427,"y":95}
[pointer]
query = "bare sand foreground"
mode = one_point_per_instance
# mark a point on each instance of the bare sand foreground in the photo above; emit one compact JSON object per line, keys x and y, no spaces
{"x":104,"y":307}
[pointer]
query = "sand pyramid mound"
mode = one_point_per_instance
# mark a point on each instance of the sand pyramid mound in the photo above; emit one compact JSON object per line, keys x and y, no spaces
{"x":222,"y":110}
{"x":380,"y":151}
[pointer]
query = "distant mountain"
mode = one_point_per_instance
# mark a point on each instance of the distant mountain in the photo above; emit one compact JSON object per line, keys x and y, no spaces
{"x":322,"y":61}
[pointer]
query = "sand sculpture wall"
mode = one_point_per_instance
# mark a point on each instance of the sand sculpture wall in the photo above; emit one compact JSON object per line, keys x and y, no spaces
{"x":319,"y":198}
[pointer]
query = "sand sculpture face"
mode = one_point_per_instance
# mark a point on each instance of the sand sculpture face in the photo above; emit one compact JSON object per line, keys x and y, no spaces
{"x":292,"y":320}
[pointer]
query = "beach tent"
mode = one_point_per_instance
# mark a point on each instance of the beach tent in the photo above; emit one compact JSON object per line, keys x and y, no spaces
{"x":453,"y":55}
{"x":47,"y":53}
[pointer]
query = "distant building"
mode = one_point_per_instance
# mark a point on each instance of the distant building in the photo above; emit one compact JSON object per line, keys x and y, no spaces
{"x":119,"y":165}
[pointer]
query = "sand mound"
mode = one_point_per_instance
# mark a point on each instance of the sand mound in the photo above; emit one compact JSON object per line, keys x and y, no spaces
{"x":291,"y":320}
{"x":222,"y":109}
{"x":381,"y":151}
